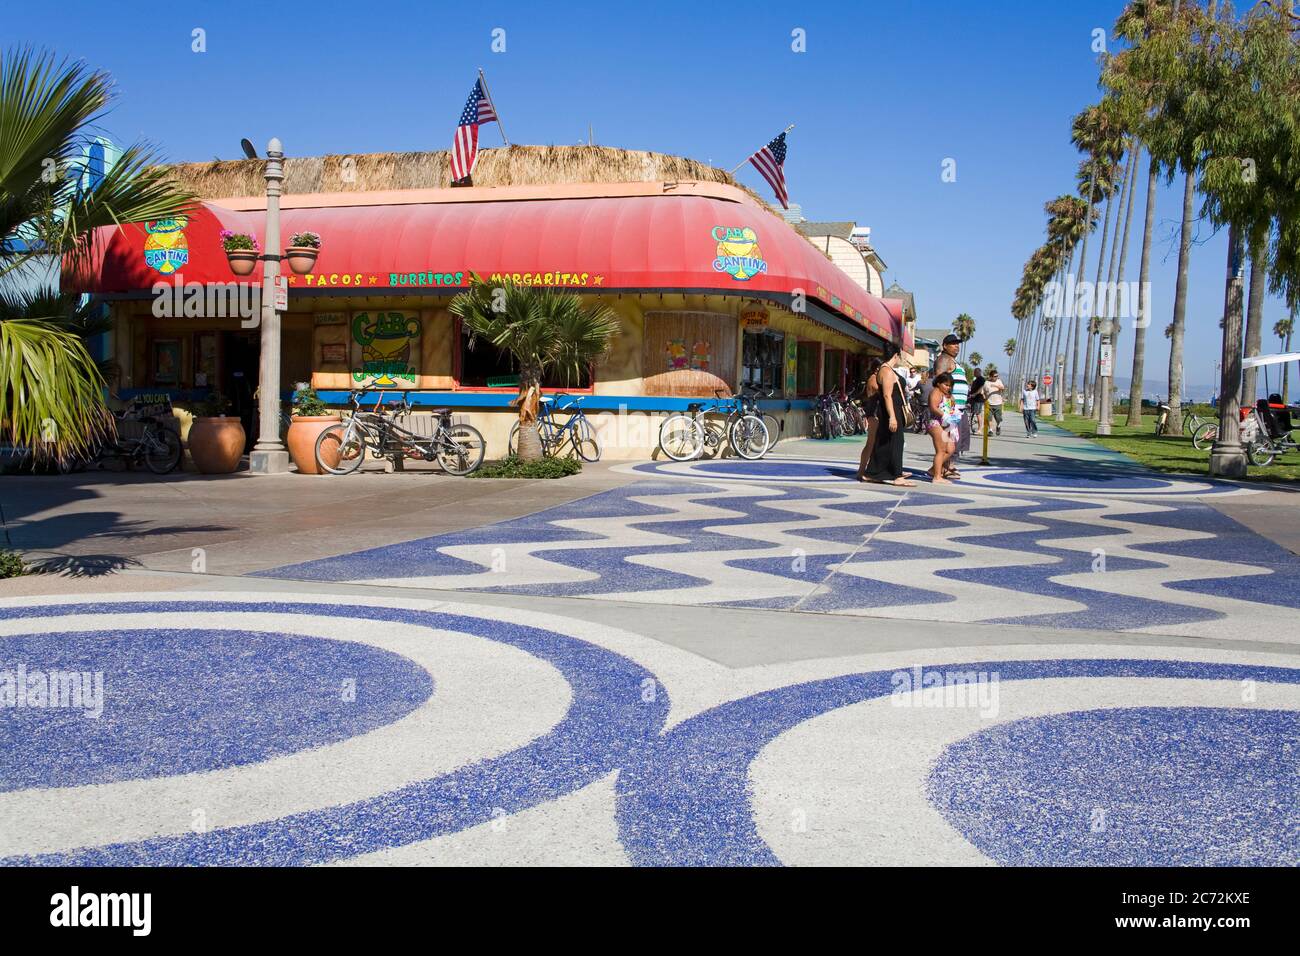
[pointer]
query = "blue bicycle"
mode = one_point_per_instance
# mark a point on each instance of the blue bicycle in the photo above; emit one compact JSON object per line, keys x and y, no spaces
{"x":575,"y":431}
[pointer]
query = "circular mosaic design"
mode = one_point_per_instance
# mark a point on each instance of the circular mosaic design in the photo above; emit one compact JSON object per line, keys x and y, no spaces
{"x":1149,"y":786}
{"x":102,"y":706}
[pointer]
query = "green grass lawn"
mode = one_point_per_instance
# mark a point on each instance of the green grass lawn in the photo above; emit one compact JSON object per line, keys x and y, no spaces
{"x":1173,"y":454}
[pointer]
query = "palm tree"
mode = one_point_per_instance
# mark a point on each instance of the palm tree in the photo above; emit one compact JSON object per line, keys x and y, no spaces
{"x":1283,"y":328}
{"x":51,"y":390}
{"x":545,"y":331}
{"x":976,"y":359}
{"x":964,"y":327}
{"x":1094,"y":133}
{"x":1009,"y":347}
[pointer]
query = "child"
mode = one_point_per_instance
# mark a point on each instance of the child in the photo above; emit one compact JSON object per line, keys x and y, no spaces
{"x":944,"y":428}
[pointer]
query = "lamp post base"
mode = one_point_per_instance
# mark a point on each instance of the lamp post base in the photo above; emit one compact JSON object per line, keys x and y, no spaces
{"x":1228,"y":461}
{"x":268,"y":462}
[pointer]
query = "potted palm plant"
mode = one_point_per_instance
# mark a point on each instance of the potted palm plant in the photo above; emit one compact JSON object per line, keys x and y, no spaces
{"x":303,"y":249}
{"x":545,"y":331}
{"x":242,"y":251}
{"x":311,"y":416}
{"x":216,"y":441}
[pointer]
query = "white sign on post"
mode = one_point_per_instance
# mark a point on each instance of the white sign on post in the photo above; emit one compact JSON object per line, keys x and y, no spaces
{"x":1107,"y":361}
{"x":281,"y":294}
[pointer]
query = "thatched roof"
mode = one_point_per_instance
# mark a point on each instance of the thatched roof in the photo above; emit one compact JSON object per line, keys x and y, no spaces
{"x":506,"y":166}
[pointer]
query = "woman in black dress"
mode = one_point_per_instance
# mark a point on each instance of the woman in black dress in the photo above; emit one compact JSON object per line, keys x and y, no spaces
{"x":870,"y":403}
{"x":886,"y":466}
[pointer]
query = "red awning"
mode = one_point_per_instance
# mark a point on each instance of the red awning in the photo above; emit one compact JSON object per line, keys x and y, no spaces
{"x":698,"y":243}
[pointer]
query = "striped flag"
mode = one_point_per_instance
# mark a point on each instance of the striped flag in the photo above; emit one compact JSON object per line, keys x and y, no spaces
{"x":770,"y":161}
{"x":478,"y":110}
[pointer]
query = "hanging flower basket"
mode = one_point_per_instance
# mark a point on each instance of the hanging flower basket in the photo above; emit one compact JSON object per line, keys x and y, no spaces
{"x":242,"y":251}
{"x":303,"y":249}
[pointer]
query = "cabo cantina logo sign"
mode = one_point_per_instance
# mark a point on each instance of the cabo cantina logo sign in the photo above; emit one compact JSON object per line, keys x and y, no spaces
{"x":738,"y":253}
{"x":166,"y":249}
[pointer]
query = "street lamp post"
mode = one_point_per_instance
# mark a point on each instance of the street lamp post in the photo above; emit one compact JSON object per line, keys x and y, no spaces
{"x":1107,"y":371}
{"x":269,"y":456}
{"x":1060,"y":387}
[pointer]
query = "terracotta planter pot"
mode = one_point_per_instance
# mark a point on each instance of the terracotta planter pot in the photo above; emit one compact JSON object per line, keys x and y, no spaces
{"x":216,"y":444}
{"x":302,"y":440}
{"x":301,"y":259}
{"x":242,"y":261}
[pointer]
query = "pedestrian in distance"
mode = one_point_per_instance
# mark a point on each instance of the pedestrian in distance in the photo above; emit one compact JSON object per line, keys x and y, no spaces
{"x":1029,"y":400}
{"x":993,"y":397}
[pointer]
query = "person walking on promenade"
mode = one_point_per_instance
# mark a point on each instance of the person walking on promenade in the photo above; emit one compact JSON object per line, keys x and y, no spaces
{"x":886,"y":465}
{"x":870,"y":402}
{"x":1029,"y":400}
{"x":976,"y":401}
{"x":943,"y":425}
{"x":993,"y":390}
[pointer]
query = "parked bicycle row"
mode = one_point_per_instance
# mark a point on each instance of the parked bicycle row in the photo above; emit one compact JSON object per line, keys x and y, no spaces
{"x":730,"y":421}
{"x":1267,"y":430}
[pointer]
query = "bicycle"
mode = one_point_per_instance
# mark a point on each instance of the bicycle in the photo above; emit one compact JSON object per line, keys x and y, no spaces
{"x":340,"y":449}
{"x":685,"y":436}
{"x":749,"y":403}
{"x":579,"y":433}
{"x":1275,"y":436}
{"x":158,"y":447}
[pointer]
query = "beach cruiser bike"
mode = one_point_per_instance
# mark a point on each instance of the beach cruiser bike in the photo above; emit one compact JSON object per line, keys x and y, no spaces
{"x":576,"y":431}
{"x":748,"y":398}
{"x":708,"y":425}
{"x":157,"y":446}
{"x":341,"y":448}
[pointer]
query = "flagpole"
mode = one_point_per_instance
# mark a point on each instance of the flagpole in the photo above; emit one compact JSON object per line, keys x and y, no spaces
{"x":502,"y":129}
{"x":751,"y":155}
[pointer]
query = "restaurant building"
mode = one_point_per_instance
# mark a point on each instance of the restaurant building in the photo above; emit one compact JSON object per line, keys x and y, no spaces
{"x":712,"y":288}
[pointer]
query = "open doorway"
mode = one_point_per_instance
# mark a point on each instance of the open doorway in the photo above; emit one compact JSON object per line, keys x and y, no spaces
{"x":239,"y":374}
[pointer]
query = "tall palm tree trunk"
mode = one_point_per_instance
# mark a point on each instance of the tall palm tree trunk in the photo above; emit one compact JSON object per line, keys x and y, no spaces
{"x":1255,"y":310}
{"x":1074,"y":397}
{"x":1135,"y":389}
{"x":1286,"y":369}
{"x":1227,"y":458}
{"x":1174,"y":423}
{"x":1104,"y":405}
{"x":1114,"y":201}
{"x":1105,"y":292}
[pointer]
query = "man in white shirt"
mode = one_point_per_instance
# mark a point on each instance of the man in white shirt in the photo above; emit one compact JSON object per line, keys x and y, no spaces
{"x":1029,"y":400}
{"x":993,"y":389}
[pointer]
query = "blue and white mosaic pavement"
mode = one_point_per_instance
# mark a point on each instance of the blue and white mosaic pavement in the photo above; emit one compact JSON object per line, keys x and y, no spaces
{"x":1128,"y":552}
{"x":283,"y":729}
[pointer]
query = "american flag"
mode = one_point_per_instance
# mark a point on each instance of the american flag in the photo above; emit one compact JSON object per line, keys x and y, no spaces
{"x":478,"y":109}
{"x":770,"y":161}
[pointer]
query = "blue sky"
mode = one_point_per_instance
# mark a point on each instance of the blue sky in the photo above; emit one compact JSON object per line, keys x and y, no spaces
{"x":885,"y":92}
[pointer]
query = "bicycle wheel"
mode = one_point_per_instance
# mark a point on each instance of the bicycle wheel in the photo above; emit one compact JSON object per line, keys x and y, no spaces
{"x":775,"y":427}
{"x":584,"y":440}
{"x":749,"y":437}
{"x":681,"y":437}
{"x":460,"y":450}
{"x":164,"y":451}
{"x":1260,"y":453}
{"x":338,"y":452}
{"x":1190,"y":424}
{"x":1205,"y":435}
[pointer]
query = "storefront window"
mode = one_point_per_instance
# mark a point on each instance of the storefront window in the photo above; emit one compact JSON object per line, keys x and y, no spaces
{"x":764,"y":360}
{"x":486,"y":366}
{"x":832,"y":369}
{"x":810,"y":354}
